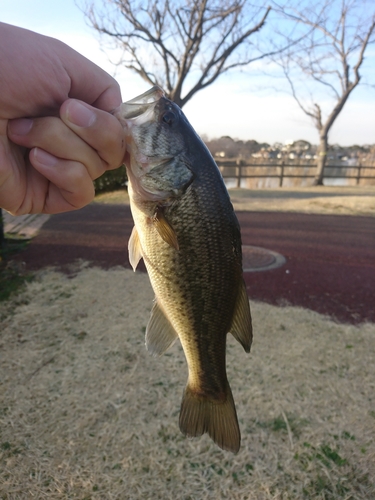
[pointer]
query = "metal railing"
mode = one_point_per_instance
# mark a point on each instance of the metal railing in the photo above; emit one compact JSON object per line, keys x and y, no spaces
{"x":281,"y":171}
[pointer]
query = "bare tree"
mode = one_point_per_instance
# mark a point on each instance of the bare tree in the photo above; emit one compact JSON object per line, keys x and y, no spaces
{"x":182,"y":46}
{"x":324,"y":63}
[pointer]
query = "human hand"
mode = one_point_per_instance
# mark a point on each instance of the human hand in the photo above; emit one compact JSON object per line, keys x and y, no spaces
{"x":47,"y":163}
{"x":62,"y":157}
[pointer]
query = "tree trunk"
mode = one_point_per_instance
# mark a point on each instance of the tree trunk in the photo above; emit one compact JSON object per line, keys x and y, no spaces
{"x":176,"y":99}
{"x":321,"y":161}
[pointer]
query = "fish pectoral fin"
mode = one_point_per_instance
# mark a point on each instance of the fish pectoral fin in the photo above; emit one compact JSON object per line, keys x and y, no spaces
{"x":218,"y":418}
{"x":135,"y":249}
{"x":160,"y":334}
{"x":164,"y":229}
{"x":241,"y":327}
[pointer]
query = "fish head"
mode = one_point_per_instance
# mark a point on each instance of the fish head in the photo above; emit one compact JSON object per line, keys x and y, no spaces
{"x":151,"y":123}
{"x":154,"y":131}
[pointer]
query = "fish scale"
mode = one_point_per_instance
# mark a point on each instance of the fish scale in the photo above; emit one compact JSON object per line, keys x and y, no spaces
{"x":189,"y":237}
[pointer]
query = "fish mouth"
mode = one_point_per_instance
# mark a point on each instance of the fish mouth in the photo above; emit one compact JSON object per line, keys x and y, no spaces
{"x":137,"y":106}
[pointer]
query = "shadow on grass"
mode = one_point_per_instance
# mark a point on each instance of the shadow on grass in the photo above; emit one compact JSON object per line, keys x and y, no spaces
{"x":12,"y":274}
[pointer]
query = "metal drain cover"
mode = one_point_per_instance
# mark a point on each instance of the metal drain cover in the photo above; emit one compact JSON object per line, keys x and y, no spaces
{"x":260,"y":259}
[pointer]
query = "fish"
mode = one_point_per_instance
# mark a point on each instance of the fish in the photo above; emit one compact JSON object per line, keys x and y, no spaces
{"x":187,"y":233}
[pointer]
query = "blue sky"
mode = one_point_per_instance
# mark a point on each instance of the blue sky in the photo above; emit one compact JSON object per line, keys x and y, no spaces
{"x":232,"y":106}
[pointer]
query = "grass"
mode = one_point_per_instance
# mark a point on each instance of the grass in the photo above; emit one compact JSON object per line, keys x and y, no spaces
{"x":338,"y":200}
{"x":85,"y":412}
{"x":12,"y":274}
{"x":119,"y":196}
{"x":11,"y":246}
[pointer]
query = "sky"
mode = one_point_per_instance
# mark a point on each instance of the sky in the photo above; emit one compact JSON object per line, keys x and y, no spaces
{"x":234,"y":105}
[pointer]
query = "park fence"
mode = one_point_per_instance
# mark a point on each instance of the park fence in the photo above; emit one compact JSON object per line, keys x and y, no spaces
{"x":238,"y":173}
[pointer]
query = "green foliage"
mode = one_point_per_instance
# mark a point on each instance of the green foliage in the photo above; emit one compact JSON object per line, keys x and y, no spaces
{"x":12,"y":275}
{"x":111,"y":180}
{"x":11,"y":246}
{"x":324,"y":453}
{"x":2,"y":235}
{"x":279,"y":424}
{"x":330,"y":473}
{"x":11,"y":279}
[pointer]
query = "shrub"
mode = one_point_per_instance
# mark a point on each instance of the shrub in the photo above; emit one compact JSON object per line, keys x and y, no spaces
{"x":111,"y":180}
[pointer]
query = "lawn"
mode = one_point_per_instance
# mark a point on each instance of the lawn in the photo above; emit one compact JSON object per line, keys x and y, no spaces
{"x":86,"y":413}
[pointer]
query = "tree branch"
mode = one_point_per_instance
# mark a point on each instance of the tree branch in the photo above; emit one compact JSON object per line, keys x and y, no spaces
{"x":179,"y":39}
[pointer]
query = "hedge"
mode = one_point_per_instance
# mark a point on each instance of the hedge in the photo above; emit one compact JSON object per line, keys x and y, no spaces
{"x":111,"y":180}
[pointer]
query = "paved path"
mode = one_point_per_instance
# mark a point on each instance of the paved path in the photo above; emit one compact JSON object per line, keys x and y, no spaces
{"x":23,"y":226}
{"x":330,"y":260}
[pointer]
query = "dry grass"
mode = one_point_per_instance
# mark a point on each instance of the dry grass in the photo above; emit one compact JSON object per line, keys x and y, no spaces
{"x":348,"y":200}
{"x":86,"y":413}
{"x":357,"y":200}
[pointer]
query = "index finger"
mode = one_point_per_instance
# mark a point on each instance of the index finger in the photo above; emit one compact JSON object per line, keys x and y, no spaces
{"x":101,"y":130}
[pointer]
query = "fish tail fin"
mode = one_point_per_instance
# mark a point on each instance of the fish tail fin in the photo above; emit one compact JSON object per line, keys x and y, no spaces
{"x":218,"y":418}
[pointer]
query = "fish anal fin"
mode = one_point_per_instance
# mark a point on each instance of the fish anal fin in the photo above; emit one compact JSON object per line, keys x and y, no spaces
{"x":241,"y":327}
{"x":135,"y":249}
{"x":160,"y":334}
{"x":164,"y":229}
{"x":216,"y":417}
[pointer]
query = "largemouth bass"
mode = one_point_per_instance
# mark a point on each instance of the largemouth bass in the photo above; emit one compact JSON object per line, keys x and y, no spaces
{"x":189,"y":238}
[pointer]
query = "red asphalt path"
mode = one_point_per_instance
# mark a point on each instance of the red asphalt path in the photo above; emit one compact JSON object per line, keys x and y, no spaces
{"x":330,"y":264}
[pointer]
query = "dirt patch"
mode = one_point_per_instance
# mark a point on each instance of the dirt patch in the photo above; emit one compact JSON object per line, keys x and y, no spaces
{"x":85,"y":412}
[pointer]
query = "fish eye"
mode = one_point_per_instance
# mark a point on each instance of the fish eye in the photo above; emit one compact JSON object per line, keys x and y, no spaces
{"x":169,"y":117}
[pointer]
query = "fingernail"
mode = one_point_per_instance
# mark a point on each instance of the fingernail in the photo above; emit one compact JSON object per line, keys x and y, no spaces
{"x":80,"y":115}
{"x":20,"y":126}
{"x":44,"y":158}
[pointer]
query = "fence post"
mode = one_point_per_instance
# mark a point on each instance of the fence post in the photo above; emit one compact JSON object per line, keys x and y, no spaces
{"x":359,"y":167}
{"x":239,"y":172}
{"x":281,"y":174}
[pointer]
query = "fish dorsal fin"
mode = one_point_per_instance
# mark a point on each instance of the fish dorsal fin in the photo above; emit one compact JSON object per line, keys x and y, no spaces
{"x":164,"y":229}
{"x":134,"y":248}
{"x":241,"y":327}
{"x":160,"y":334}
